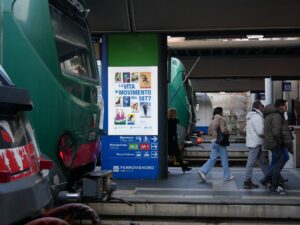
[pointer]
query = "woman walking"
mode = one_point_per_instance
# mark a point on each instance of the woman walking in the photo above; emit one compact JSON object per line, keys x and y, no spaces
{"x":216,"y":149}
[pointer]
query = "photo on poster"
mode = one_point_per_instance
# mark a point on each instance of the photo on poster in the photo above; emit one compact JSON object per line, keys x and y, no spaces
{"x":120,"y":118}
{"x":118,"y":77}
{"x":126,"y":77}
{"x":118,"y":101}
{"x":131,"y":119}
{"x":134,"y":77}
{"x":134,"y":106}
{"x":145,"y":80}
{"x":126,"y":101}
{"x":145,"y":109}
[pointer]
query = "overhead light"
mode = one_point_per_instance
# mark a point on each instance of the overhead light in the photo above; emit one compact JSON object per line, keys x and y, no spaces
{"x":255,"y":36}
{"x":176,"y":39}
{"x":291,"y":38}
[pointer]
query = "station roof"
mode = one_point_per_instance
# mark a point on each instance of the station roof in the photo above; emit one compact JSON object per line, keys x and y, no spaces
{"x":216,"y":42}
{"x":206,"y":16}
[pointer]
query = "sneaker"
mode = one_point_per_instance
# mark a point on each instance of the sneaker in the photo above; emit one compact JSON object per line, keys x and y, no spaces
{"x":201,"y":176}
{"x":185,"y":168}
{"x":265,"y":183}
{"x":249,"y":185}
{"x":278,"y":191}
{"x":229,"y":178}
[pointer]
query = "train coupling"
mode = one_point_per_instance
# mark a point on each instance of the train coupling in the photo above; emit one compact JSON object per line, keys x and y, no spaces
{"x":96,"y":187}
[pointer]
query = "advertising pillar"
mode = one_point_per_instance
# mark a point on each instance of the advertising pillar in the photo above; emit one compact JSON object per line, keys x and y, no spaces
{"x":130,"y":84}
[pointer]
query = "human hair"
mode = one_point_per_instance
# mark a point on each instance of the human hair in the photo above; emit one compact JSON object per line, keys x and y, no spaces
{"x":256,"y":104}
{"x":218,"y":110}
{"x":280,"y":102}
{"x":171,"y":113}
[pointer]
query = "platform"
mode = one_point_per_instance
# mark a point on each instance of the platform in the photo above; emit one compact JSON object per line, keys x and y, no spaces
{"x":182,"y":195}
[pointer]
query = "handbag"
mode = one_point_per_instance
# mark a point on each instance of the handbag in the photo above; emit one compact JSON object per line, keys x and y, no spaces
{"x":222,"y":139}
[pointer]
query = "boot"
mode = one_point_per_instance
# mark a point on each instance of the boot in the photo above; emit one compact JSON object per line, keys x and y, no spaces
{"x":266,"y":182}
{"x":186,"y":168}
{"x":249,"y":185}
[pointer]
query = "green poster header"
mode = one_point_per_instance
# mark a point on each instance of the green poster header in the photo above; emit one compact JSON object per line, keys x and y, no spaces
{"x":132,"y":50}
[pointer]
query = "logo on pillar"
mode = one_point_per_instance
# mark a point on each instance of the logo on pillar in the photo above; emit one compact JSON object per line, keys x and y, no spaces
{"x":286,"y":86}
{"x":145,"y":146}
{"x":133,"y":146}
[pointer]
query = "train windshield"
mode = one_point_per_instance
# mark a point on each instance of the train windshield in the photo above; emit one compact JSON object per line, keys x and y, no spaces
{"x":73,"y":45}
{"x":4,"y":78}
{"x":13,"y":133}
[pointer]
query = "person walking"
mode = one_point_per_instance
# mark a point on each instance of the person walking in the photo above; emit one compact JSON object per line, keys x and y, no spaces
{"x":216,"y":149}
{"x":286,"y":151}
{"x":173,"y":148}
{"x":254,"y":142}
{"x":277,"y":137}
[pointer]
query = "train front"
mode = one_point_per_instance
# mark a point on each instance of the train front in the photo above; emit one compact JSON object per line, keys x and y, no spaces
{"x":79,"y":145}
{"x":24,"y":189}
{"x":50,"y":43}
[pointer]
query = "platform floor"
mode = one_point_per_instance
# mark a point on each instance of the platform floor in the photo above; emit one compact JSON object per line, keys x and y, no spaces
{"x":183,"y":195}
{"x":186,"y":187}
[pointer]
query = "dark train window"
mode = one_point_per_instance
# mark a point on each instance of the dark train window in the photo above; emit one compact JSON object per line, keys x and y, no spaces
{"x":73,"y":45}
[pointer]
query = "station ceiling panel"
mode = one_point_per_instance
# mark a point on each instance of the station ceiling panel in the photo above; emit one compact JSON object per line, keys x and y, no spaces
{"x":214,"y":33}
{"x":193,"y":15}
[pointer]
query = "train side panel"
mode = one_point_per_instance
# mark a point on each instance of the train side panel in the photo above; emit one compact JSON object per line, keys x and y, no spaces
{"x":37,"y":44}
{"x":178,"y":98}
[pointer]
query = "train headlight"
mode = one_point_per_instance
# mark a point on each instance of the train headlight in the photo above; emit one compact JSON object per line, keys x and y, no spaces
{"x":65,"y":150}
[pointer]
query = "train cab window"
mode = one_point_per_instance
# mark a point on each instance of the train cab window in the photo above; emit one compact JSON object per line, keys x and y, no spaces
{"x":73,"y":45}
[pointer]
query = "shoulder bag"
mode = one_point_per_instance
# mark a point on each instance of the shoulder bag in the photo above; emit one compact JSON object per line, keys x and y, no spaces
{"x":222,"y":139}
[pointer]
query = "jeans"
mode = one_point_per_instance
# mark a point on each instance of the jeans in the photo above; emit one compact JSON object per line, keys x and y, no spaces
{"x":278,"y":159}
{"x":286,"y":158}
{"x":253,"y":155}
{"x":217,"y":150}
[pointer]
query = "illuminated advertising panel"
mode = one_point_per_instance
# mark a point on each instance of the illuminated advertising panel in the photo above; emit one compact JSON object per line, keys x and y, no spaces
{"x":132,"y":97}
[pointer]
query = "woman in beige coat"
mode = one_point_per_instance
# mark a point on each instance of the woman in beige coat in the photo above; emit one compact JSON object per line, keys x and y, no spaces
{"x":216,"y":149}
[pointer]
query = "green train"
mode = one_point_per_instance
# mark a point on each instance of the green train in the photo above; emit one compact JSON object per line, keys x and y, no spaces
{"x":47,"y":49}
{"x":181,"y":97}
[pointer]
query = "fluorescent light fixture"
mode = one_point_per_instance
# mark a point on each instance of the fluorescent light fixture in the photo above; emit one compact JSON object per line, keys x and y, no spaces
{"x":176,"y":39}
{"x":255,"y":36}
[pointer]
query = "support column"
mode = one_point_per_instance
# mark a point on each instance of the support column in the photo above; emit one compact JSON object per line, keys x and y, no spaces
{"x":268,"y":91}
{"x":135,"y":146}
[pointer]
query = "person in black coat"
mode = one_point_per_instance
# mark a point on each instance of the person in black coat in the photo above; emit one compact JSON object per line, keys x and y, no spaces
{"x":173,"y":148}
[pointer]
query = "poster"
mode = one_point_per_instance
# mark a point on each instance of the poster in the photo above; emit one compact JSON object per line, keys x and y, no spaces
{"x":132,"y":97}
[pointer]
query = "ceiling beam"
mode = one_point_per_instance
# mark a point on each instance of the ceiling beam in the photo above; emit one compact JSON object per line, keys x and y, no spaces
{"x":109,"y":16}
{"x":213,"y":15}
{"x":228,"y":85}
{"x":277,"y":67}
{"x":236,"y":44}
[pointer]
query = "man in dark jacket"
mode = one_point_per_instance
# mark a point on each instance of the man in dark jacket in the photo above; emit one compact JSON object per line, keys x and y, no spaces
{"x":277,"y":137}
